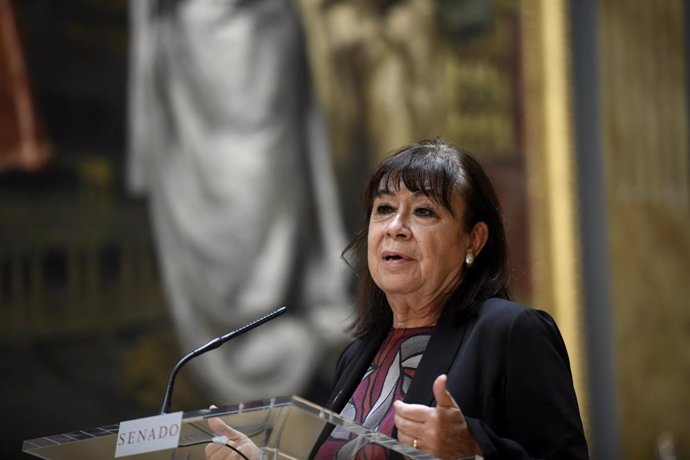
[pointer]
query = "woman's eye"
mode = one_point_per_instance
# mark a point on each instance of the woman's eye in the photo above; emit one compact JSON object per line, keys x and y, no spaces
{"x":383,"y":209}
{"x":425,"y":212}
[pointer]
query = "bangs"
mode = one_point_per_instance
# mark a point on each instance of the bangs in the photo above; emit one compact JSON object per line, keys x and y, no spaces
{"x":422,"y":171}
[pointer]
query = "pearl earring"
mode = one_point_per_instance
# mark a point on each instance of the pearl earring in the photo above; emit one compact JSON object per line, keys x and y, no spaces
{"x":469,"y":259}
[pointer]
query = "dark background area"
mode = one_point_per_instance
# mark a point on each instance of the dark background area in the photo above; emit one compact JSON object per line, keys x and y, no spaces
{"x":87,"y":341}
{"x":76,"y":51}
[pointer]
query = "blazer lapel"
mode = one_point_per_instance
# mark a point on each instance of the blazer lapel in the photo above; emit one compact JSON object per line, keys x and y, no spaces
{"x":440,"y":352}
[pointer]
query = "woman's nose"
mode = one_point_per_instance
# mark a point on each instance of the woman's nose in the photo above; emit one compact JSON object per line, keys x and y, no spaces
{"x":398,"y":226}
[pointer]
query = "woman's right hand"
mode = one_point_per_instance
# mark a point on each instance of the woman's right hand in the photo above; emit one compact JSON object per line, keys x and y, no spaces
{"x":236,"y":439}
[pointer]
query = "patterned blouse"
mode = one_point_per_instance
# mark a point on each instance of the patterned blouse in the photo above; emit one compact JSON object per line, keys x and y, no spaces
{"x":387,"y":379}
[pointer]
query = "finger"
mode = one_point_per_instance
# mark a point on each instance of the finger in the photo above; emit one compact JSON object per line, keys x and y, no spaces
{"x":414,"y":412}
{"x":215,"y":452}
{"x":405,"y":425}
{"x":405,"y":438}
{"x":221,"y":428}
{"x":410,"y":430}
{"x":443,"y":397}
{"x":218,"y":426}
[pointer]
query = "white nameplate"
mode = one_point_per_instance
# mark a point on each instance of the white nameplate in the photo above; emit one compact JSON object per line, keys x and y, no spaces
{"x":148,"y":434}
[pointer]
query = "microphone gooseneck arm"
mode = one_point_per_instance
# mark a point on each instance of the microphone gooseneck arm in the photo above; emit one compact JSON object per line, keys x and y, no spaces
{"x":212,"y":345}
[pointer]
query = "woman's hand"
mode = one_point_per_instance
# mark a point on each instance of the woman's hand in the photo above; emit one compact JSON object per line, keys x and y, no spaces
{"x":441,"y":430}
{"x":236,"y":439}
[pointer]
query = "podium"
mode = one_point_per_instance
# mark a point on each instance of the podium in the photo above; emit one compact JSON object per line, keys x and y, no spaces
{"x":283,"y":428}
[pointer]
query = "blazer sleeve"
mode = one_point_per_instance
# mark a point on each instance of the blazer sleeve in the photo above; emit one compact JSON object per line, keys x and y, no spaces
{"x":541,"y":414}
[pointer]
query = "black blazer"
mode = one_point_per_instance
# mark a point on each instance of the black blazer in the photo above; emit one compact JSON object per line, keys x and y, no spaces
{"x":507,"y":369}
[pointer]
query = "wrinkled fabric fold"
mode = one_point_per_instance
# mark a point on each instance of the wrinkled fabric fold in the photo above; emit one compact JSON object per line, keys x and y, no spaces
{"x":228,"y":144}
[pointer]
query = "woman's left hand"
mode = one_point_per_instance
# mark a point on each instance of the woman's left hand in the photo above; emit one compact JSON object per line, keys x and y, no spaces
{"x":441,"y":430}
{"x":235,"y":438}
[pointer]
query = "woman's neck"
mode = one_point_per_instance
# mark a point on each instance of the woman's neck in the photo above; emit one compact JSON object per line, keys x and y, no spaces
{"x":405,"y":317}
{"x":415,"y":311}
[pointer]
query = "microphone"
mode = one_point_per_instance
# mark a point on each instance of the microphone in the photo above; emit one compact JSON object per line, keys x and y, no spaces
{"x":212,"y":345}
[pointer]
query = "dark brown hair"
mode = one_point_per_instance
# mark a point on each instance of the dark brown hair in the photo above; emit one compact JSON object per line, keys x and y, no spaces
{"x":438,"y":170}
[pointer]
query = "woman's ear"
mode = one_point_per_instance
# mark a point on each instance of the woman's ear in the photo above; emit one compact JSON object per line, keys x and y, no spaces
{"x":478,"y":237}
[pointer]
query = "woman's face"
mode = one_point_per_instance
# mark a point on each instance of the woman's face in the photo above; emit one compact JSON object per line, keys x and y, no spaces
{"x":416,"y":247}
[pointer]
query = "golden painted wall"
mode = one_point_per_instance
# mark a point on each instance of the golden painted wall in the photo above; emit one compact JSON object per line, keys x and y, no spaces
{"x":457,"y":76}
{"x":644,"y":92}
{"x":552,"y":177}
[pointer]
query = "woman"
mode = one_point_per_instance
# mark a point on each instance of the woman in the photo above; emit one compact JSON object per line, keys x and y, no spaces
{"x":442,"y":359}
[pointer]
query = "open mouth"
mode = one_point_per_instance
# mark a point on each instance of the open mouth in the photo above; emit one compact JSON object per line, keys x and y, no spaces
{"x":393,"y":257}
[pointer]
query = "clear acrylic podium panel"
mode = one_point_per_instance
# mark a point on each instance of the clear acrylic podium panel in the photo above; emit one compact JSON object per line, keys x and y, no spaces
{"x":284,"y":428}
